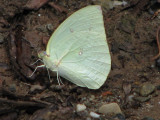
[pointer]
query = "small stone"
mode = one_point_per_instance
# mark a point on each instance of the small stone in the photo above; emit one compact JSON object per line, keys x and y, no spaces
{"x":88,"y":118}
{"x":147,"y":89}
{"x":94,"y":115}
{"x":92,"y":98}
{"x":119,"y":117}
{"x":158,"y":87}
{"x":80,"y":107}
{"x":50,"y":27}
{"x":147,"y":118}
{"x":111,"y":108}
{"x":142,"y":99}
{"x":36,"y":87}
{"x":152,"y":66}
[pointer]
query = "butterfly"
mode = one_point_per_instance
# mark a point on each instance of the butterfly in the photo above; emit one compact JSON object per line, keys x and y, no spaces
{"x":78,"y":50}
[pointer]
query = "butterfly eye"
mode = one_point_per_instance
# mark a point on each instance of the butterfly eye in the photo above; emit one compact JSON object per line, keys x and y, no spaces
{"x":41,"y":54}
{"x":44,"y":52}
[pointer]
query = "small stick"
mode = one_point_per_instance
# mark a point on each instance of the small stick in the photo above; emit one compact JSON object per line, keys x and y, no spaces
{"x":158,"y":44}
{"x":22,"y":103}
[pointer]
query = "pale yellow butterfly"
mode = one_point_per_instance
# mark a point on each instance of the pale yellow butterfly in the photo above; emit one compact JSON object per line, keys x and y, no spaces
{"x":78,"y":50}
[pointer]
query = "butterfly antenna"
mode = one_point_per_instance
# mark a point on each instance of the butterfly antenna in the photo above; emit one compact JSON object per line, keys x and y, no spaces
{"x":36,"y":69}
{"x":36,"y":61}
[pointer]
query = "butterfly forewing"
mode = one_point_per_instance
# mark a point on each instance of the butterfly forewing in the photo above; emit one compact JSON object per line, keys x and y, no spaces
{"x":80,"y":48}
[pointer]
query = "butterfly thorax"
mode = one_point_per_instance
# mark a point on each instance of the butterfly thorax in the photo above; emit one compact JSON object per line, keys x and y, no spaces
{"x":47,"y":61}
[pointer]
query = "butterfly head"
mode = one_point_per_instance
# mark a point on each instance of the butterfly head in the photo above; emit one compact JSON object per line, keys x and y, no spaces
{"x":42,"y":54}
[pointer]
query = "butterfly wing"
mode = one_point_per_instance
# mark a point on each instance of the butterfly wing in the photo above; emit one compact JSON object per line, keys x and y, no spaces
{"x":80,"y":49}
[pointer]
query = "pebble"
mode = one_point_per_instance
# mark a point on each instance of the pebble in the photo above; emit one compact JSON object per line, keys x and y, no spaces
{"x":50,"y":27}
{"x":118,"y":117}
{"x":147,"y":89}
{"x":158,"y":87}
{"x":92,"y":97}
{"x":88,"y":118}
{"x":142,"y":99}
{"x":94,"y":115}
{"x":147,"y":118}
{"x":80,"y":107}
{"x":110,"y":108}
{"x":36,"y":87}
{"x":39,"y":15}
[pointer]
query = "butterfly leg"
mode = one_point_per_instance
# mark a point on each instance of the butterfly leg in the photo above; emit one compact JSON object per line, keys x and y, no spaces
{"x":36,"y":69}
{"x":49,"y":76}
{"x":60,"y":80}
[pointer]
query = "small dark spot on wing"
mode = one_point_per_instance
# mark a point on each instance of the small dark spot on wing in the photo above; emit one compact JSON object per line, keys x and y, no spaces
{"x":71,"y":30}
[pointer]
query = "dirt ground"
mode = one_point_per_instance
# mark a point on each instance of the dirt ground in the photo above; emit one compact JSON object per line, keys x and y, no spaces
{"x":25,"y":28}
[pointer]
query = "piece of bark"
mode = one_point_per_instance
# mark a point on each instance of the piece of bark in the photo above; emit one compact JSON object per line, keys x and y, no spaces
{"x":20,"y":53}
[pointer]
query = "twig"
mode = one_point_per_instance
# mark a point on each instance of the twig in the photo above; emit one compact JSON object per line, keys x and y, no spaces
{"x":158,"y":44}
{"x":22,"y":103}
